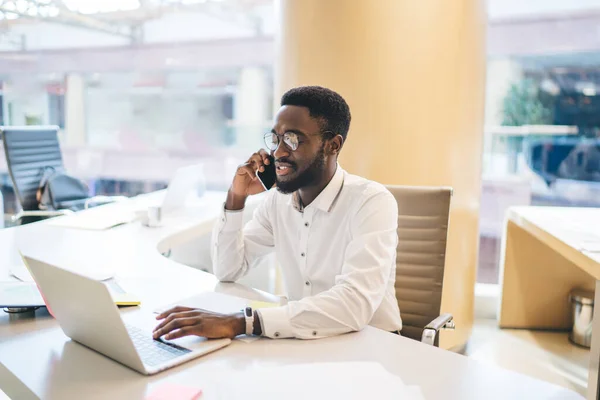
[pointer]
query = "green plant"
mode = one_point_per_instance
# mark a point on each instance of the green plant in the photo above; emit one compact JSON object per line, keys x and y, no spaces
{"x":523,"y":106}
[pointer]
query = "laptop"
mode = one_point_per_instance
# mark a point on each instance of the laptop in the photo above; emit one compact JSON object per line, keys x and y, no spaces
{"x":185,"y":181}
{"x":87,"y":314}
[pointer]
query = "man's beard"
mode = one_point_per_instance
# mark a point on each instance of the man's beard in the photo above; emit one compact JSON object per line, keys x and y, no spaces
{"x":308,"y":177}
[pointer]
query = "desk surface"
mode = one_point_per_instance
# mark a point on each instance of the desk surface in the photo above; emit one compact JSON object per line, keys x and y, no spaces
{"x":565,"y":230}
{"x":38,"y":361}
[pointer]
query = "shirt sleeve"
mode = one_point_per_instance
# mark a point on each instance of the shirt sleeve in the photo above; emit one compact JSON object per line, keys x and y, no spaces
{"x":236,"y":248}
{"x":359,"y":289}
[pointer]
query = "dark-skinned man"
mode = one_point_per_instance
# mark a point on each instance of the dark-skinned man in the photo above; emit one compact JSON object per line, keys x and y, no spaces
{"x":333,"y":233}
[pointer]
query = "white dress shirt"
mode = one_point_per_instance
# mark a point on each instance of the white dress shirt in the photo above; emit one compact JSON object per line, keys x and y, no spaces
{"x":337,"y":257}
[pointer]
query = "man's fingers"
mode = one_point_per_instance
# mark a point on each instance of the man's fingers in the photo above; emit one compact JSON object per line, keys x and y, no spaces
{"x":257,"y":162}
{"x":185,"y":331}
{"x":265,"y":156}
{"x":176,"y":324}
{"x":182,"y":314}
{"x":165,"y":314}
{"x":247,"y":169}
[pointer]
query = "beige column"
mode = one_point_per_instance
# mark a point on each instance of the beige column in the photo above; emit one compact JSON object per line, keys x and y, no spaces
{"x":413,"y":73}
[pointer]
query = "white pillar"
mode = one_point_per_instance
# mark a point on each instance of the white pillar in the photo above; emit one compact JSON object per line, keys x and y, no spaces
{"x":75,"y":117}
{"x":501,"y":74}
{"x":251,"y":107}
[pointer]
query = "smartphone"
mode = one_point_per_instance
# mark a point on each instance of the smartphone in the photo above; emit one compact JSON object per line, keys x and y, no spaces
{"x":269,"y":176}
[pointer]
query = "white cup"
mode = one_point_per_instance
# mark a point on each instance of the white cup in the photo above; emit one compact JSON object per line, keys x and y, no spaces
{"x":154,"y":216}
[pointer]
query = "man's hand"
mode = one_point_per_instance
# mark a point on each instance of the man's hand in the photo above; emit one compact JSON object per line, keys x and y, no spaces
{"x":245,"y":183}
{"x":184,"y":321}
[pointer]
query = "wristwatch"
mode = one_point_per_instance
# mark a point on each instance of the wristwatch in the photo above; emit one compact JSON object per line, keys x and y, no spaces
{"x":249,"y":315}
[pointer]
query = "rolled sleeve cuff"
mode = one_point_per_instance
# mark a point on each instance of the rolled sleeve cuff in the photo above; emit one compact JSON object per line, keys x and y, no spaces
{"x":276,"y":322}
{"x":231,"y":220}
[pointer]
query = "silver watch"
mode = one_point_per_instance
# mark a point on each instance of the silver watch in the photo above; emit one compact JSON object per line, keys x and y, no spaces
{"x":249,"y":315}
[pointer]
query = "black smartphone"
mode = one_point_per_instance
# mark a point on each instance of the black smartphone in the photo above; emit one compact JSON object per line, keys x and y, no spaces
{"x":269,"y":176}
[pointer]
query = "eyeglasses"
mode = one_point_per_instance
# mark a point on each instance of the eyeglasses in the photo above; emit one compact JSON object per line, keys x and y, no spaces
{"x":289,"y":138}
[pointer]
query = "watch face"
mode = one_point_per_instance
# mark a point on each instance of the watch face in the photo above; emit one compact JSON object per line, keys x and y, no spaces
{"x":248,"y":312}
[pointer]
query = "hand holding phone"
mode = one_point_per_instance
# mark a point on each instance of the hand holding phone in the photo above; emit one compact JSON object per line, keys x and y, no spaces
{"x":268,"y":177}
{"x":247,"y":180}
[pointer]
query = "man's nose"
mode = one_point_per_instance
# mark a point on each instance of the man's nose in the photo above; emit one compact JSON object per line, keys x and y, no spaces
{"x":281,"y":150}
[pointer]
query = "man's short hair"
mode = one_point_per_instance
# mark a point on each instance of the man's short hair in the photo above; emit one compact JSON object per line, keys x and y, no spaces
{"x":323,"y":104}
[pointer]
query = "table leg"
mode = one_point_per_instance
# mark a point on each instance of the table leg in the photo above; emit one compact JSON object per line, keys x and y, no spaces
{"x":593,"y":376}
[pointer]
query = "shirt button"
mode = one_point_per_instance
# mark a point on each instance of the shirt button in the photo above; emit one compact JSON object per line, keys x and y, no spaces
{"x":276,"y":334}
{"x":302,"y":254}
{"x":306,"y":224}
{"x":314,"y":333}
{"x":307,"y":283}
{"x":223,"y":219}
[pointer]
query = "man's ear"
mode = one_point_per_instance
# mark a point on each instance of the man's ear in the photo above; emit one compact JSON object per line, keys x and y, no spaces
{"x":335,"y":144}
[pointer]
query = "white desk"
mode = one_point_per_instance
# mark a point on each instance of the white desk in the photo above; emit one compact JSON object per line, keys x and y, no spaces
{"x":544,"y":259}
{"x":38,"y":361}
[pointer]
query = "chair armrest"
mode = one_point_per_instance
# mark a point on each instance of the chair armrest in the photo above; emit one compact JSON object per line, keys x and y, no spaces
{"x":103,"y":200}
{"x":444,"y":321}
{"x":39,"y":213}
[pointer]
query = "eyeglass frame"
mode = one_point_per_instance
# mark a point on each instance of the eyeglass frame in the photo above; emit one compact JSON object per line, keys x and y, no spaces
{"x":280,"y":138}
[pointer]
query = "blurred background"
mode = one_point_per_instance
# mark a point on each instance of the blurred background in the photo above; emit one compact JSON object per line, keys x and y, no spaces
{"x":140,"y":88}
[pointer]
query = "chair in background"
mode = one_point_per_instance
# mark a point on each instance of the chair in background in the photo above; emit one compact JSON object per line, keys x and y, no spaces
{"x":29,"y":152}
{"x":423,"y":214}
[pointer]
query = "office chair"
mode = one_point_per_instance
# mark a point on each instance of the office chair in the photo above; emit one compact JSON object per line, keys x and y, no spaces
{"x":423,"y":214}
{"x":29,"y":152}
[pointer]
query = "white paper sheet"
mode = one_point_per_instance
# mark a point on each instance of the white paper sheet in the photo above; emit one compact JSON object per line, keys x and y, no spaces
{"x":591,"y":247}
{"x":94,"y":219}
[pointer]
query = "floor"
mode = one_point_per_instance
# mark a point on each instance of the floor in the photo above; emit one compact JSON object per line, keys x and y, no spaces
{"x":543,"y":355}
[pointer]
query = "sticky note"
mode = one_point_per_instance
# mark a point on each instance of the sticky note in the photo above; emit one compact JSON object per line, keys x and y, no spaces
{"x":262,"y":304}
{"x":172,"y":391}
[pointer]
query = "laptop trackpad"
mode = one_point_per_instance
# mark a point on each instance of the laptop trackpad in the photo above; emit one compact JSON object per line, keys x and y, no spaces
{"x":196,"y":343}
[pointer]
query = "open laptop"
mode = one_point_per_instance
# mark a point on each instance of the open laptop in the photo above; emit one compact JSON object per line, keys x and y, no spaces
{"x":185,"y":181}
{"x":87,"y":314}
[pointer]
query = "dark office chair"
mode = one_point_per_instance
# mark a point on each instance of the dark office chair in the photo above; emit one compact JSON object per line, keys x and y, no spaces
{"x":423,"y":214}
{"x":30,"y":151}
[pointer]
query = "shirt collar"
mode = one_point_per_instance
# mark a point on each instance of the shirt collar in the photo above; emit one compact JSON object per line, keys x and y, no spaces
{"x":326,"y":199}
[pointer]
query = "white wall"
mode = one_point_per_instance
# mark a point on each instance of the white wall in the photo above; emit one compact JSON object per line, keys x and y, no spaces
{"x":194,"y":26}
{"x":55,"y":36}
{"x":191,"y":26}
{"x":527,"y":8}
{"x":173,"y":27}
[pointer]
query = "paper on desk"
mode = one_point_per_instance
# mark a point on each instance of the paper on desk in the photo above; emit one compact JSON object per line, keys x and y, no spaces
{"x":13,"y":294}
{"x":120,"y":296}
{"x":591,"y":247}
{"x":348,"y":381}
{"x":20,"y":294}
{"x":95,"y":219}
{"x":255,"y":304}
{"x":21,"y":273}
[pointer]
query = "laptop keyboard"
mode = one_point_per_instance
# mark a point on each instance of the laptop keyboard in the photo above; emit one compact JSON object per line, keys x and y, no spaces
{"x":154,"y":352}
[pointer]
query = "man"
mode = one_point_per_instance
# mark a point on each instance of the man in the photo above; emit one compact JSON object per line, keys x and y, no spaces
{"x":334,"y":234}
